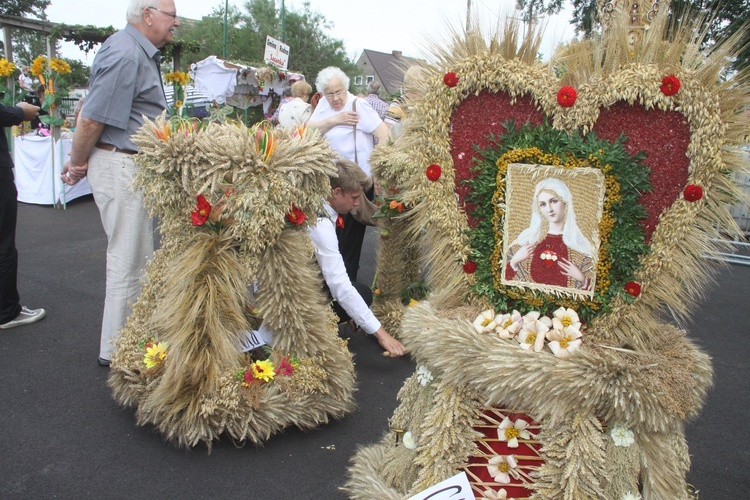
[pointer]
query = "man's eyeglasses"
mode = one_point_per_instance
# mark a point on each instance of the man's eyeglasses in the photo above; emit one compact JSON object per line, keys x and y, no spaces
{"x":331,"y":95}
{"x":173,"y":15}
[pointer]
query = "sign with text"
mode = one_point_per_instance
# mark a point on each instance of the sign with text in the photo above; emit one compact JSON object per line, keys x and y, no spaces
{"x":453,"y":488}
{"x":277,"y":53}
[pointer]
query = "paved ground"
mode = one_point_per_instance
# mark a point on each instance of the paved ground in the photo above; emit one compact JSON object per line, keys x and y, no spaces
{"x":62,"y":436}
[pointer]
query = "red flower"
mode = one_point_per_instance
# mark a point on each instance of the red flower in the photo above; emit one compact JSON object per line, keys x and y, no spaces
{"x":433,"y":172}
{"x":692,"y":192}
{"x":450,"y":79}
{"x":201,"y":212}
{"x":470,"y":267}
{"x":285,"y":367}
{"x":340,"y":222}
{"x":248,"y":378}
{"x":296,"y":216}
{"x":670,"y":85}
{"x":566,"y":96}
{"x":633,"y":288}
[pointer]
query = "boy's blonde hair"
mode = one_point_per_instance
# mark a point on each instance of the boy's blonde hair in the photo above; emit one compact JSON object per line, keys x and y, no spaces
{"x":351,"y":178}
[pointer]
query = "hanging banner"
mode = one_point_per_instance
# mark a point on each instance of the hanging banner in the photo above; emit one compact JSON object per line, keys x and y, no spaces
{"x":277,"y":53}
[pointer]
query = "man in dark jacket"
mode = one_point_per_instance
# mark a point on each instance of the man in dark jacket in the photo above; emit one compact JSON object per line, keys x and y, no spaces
{"x":12,"y":313}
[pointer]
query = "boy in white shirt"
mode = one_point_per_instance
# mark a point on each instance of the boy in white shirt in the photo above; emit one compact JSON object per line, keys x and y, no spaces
{"x":351,"y":300}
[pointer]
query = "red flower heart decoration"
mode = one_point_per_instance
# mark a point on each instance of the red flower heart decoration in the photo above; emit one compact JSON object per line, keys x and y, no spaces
{"x":450,"y":79}
{"x":670,"y":85}
{"x":566,"y":96}
{"x":692,"y":192}
{"x":433,"y":172}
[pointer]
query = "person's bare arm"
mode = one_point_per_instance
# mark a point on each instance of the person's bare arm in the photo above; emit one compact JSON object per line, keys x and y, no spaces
{"x":382,"y":133}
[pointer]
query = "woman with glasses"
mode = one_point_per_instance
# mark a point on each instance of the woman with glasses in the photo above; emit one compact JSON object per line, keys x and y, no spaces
{"x":351,"y":127}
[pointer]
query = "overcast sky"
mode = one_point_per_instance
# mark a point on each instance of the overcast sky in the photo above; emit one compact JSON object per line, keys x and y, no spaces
{"x":382,"y":25}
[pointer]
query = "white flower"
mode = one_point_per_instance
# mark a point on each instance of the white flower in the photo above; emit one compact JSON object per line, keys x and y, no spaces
{"x":485,"y":322}
{"x":510,"y":432}
{"x":632,"y":496}
{"x":424,"y":375}
{"x":622,"y":436}
{"x":501,"y":467}
{"x":508,"y":325}
{"x":533,"y":331}
{"x":565,"y":317}
{"x":495,"y":495}
{"x":564,"y":342}
{"x":408,"y":440}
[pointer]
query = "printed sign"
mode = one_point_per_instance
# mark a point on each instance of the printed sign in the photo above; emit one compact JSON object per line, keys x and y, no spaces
{"x":256,"y":338}
{"x":277,"y":53}
{"x":454,"y":488}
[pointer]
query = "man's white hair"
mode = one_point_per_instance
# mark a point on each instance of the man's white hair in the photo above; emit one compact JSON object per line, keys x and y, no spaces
{"x":135,"y":10}
{"x":325,"y":75}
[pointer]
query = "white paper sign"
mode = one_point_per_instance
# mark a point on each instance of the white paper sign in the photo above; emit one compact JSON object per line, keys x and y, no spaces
{"x":277,"y":53}
{"x":454,"y":488}
{"x":256,"y":338}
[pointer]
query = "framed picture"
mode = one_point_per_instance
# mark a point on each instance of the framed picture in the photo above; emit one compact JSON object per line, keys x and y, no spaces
{"x":551,"y":233}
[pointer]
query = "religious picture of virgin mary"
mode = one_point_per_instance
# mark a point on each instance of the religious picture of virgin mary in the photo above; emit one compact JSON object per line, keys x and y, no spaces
{"x":551,"y":232}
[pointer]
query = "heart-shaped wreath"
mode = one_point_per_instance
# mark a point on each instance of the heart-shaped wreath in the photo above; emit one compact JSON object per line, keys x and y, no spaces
{"x":496,"y":143}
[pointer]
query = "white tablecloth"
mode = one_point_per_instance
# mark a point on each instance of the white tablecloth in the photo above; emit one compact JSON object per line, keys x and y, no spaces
{"x":35,"y":180}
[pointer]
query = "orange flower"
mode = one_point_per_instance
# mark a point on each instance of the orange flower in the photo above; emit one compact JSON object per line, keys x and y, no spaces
{"x":396,"y":205}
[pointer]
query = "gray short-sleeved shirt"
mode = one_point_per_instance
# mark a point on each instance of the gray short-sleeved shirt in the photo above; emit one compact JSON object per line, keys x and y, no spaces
{"x":125,"y":84}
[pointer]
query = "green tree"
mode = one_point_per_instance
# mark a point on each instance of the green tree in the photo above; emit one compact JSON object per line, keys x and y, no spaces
{"x":305,"y":31}
{"x":531,"y":10}
{"x":25,"y":8}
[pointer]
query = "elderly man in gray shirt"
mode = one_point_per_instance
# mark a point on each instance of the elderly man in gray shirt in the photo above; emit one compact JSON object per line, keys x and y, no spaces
{"x":125,"y":84}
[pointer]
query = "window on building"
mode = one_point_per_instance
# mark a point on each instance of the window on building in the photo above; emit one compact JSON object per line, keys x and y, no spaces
{"x":358,"y":80}
{"x":369,"y":78}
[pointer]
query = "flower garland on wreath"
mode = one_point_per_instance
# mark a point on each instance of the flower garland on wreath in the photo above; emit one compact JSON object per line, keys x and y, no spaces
{"x":622,"y":243}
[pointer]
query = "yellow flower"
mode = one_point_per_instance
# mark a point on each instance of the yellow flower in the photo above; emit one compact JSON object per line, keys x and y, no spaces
{"x":155,"y":354}
{"x":178,"y":104}
{"x":37,"y":67}
{"x":60,"y":66}
{"x":178,"y":77}
{"x":6,"y":68}
{"x":263,"y":370}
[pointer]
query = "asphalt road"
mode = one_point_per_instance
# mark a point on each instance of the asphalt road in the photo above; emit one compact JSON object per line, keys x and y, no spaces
{"x":62,"y":435}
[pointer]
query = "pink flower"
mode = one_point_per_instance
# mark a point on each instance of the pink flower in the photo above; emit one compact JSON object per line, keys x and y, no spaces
{"x":285,"y":367}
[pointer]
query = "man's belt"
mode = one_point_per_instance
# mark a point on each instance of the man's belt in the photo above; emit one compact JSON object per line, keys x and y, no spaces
{"x":110,"y":147}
